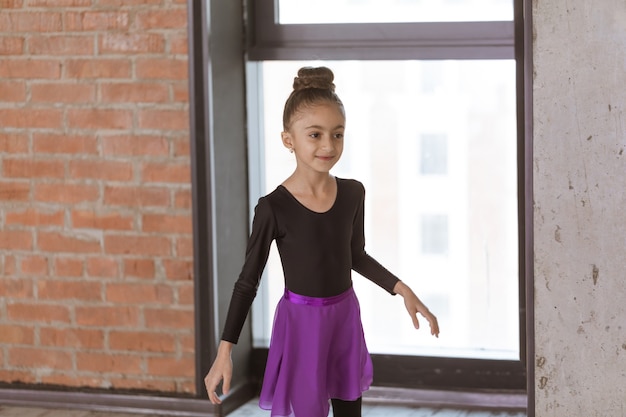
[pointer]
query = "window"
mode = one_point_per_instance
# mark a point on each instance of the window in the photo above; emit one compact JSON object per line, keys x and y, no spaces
{"x":444,"y":234}
{"x":432,"y":133}
{"x":434,"y":234}
{"x":387,"y":11}
{"x":433,"y":154}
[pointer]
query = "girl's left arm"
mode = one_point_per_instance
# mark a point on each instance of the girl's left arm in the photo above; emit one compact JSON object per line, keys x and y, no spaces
{"x":414,"y":305}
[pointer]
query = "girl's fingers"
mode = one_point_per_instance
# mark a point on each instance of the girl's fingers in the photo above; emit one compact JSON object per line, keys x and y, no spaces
{"x":416,"y":322}
{"x":226,"y":385}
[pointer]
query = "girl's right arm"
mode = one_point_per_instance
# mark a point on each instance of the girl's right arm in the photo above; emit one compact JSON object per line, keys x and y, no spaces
{"x":221,"y":370}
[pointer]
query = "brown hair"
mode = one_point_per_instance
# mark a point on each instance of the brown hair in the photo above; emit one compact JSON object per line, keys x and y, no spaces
{"x":312,"y":86}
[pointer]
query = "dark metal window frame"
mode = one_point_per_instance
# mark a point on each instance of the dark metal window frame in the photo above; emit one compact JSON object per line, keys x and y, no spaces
{"x":268,"y":40}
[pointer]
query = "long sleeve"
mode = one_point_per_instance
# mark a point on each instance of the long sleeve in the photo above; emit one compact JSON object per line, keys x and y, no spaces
{"x":257,"y":252}
{"x":363,"y":263}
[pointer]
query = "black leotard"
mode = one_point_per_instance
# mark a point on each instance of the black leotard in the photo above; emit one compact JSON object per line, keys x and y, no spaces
{"x":317,"y":250}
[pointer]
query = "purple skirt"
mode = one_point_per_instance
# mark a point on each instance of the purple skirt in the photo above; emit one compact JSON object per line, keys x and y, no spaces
{"x":317,"y":352}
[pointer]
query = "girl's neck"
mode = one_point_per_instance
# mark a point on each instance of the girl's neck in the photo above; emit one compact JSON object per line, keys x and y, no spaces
{"x":317,"y":193}
{"x":313,"y":184}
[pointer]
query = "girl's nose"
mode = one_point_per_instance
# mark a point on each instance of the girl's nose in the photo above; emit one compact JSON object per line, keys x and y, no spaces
{"x":327,"y":142}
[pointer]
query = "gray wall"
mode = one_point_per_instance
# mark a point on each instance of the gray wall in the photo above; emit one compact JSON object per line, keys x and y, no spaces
{"x":579,"y":207}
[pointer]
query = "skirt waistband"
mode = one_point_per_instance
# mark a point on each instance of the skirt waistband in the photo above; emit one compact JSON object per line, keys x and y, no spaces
{"x":317,"y":301}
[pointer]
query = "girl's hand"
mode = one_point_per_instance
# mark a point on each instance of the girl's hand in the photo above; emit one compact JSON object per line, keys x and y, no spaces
{"x":414,"y":305}
{"x":221,"y":370}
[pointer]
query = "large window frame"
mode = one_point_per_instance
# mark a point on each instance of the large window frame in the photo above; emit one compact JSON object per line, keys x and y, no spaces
{"x":269,"y":40}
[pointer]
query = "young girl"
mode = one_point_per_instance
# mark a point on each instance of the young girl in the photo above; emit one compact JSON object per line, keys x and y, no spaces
{"x":317,"y":351}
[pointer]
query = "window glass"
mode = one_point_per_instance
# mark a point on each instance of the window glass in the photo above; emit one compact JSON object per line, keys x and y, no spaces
{"x":437,"y":156}
{"x":392,"y":11}
{"x":433,"y":154}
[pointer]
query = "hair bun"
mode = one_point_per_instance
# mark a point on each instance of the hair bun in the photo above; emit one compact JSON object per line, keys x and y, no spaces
{"x":310,"y":77}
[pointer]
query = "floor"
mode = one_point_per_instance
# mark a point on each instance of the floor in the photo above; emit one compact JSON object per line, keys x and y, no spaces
{"x":251,"y":409}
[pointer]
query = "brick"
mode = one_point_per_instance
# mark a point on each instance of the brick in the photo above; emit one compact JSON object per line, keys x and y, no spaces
{"x":16,"y":240}
{"x":71,"y":337}
{"x":186,"y":386}
{"x":11,"y":45}
{"x":101,"y":169}
{"x":40,"y":358}
{"x":166,"y":223}
{"x":139,"y":268}
{"x":69,"y":290}
{"x":31,"y":168}
{"x":13,"y":375}
{"x":11,"y":4}
{"x":162,"y":19}
{"x":102,"y":267}
{"x":177,"y":269}
{"x":66,"y":379}
{"x":99,"y":119}
{"x":10,"y":269}
{"x":31,"y":21}
{"x":16,"y":335}
{"x":97,"y":68}
{"x":137,"y":245}
{"x":187,"y":344}
{"x":171,"y":367}
{"x":161,"y":385}
{"x":184,"y":246}
{"x":136,"y":196}
{"x":107,"y":316}
{"x":68,"y":267}
{"x":62,"y":45}
{"x":182,"y":199}
{"x":167,"y":173}
{"x":168,"y":319}
{"x":35,"y":217}
{"x":59,"y":3}
{"x":131,"y":43}
{"x":30,"y":68}
{"x":13,"y":91}
{"x":127,"y":3}
{"x":13,"y":142}
{"x":186,"y":294}
{"x":63,"y":93}
{"x":15,"y":288}
{"x":52,"y":143}
{"x":161,"y":68}
{"x":135,"y":145}
{"x":142,"y":341}
{"x":182,"y":147}
{"x":138,"y":293}
{"x":179,"y":45}
{"x":96,"y":21}
{"x":62,"y":243}
{"x":38,"y":312}
{"x":31,"y":118}
{"x":163,"y":119}
{"x":137,"y":92}
{"x":65,"y":193}
{"x":34,"y":265}
{"x":107,"y":363}
{"x":180,"y":92}
{"x":91,"y":219}
{"x":14,"y":191}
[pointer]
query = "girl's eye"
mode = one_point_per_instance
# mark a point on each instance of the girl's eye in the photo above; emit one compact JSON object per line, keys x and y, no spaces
{"x":314,"y":135}
{"x":338,"y":135}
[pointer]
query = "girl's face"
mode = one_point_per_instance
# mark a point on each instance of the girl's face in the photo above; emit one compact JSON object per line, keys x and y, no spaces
{"x":316,"y":137}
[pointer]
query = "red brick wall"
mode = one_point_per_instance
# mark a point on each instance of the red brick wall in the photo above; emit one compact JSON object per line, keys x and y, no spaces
{"x":95,"y":235}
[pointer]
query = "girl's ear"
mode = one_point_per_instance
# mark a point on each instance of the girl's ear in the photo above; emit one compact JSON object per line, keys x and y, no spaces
{"x":287,"y":140}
